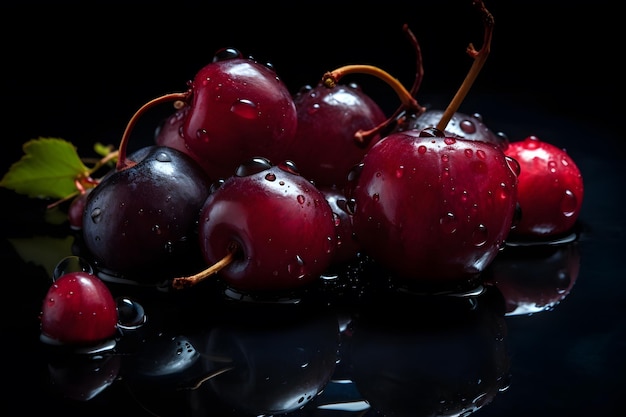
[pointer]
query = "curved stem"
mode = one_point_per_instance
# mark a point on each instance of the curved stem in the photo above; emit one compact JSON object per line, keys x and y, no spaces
{"x":189,"y":281}
{"x":479,"y":60}
{"x":331,"y":78}
{"x":121,"y":161}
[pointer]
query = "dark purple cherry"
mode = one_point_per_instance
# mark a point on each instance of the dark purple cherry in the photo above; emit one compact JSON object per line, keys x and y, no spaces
{"x":143,"y":218}
{"x":326,"y":145}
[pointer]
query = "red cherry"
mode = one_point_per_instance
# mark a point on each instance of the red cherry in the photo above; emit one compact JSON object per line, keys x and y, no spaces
{"x":237,"y":109}
{"x":432,"y":208}
{"x":277,"y":225}
{"x":326,"y":146}
{"x":78,"y":309}
{"x":550,"y":188}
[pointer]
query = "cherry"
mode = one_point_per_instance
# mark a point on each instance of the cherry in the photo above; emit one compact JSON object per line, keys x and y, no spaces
{"x":347,"y":246}
{"x":550,"y":188}
{"x":461,"y":125}
{"x":236,"y":109}
{"x":271,"y":226}
{"x":78,"y":309}
{"x":327,"y":146}
{"x":140,"y":220}
{"x":432,"y":207}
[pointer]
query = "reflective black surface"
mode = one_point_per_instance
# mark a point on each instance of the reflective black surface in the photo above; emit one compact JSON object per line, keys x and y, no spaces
{"x":545,"y":335}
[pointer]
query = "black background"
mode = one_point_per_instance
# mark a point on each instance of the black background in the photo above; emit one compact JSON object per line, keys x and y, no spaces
{"x":79,"y":71}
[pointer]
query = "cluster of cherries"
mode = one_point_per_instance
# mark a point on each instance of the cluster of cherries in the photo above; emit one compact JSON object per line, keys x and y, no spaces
{"x":267,"y":191}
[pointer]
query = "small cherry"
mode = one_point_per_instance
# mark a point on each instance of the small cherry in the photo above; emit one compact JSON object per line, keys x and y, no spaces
{"x":550,"y":190}
{"x":78,"y":309}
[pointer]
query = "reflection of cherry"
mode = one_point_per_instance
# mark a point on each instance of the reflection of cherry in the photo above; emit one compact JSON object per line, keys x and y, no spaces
{"x":535,"y":278}
{"x":82,"y":377}
{"x":280,"y":359}
{"x":426,"y":356}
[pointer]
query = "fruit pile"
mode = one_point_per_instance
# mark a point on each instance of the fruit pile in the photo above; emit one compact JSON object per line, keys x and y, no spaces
{"x":267,"y":190}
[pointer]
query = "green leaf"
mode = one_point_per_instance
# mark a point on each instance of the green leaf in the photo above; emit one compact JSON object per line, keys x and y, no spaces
{"x":44,"y":251}
{"x":48,"y":169}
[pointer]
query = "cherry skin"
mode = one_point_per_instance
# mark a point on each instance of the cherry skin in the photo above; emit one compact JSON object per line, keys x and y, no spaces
{"x":461,"y":125}
{"x":280,"y":223}
{"x":78,"y":309}
{"x":347,"y":246}
{"x":433,"y":209}
{"x":139,"y":221}
{"x":238,"y":109}
{"x":550,"y":190}
{"x":325,"y":147}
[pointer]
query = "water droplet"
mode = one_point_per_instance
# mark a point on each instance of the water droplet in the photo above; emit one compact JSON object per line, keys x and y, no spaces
{"x":163,"y":157}
{"x":270,"y":176}
{"x":71,"y":264}
{"x":400,"y":171}
{"x":96,"y":215}
{"x":552,"y":166}
{"x":376,"y":197}
{"x":445,"y":158}
{"x":245,"y":108}
{"x":503,"y":191}
{"x":203,"y":135}
{"x":421,"y":149}
{"x":481,"y":154}
{"x":448,"y":222}
{"x":532,"y":142}
{"x":156,"y":229}
{"x":253,"y":166}
{"x":300,"y":199}
{"x":449,"y":141}
{"x":569,"y":203}
{"x":130,"y":313}
{"x":564,"y":162}
{"x":467,"y":126}
{"x":314,"y":108}
{"x":479,"y":237}
{"x":513,"y":165}
{"x":468,"y":152}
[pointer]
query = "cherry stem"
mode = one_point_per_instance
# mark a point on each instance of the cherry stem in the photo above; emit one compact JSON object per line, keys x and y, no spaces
{"x":331,"y":78}
{"x":479,"y":56}
{"x":189,"y":281}
{"x":122,"y":161}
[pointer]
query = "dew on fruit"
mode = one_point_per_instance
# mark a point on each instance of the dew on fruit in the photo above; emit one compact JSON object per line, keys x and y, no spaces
{"x":163,"y":157}
{"x":479,"y":236}
{"x":481,"y":154}
{"x":96,"y":215}
{"x":300,"y":199}
{"x":449,"y":141}
{"x":245,"y":108}
{"x":156,"y":229}
{"x":376,"y":197}
{"x":467,"y":126}
{"x":400,"y":171}
{"x":552,"y":166}
{"x":569,"y":203}
{"x":71,"y":264}
{"x":468,"y":152}
{"x":203,"y":135}
{"x":421,"y":149}
{"x":131,"y":314}
{"x":314,"y":108}
{"x":445,"y":158}
{"x":448,"y":222}
{"x":270,"y":176}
